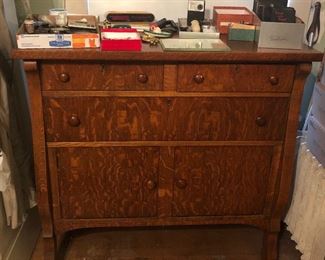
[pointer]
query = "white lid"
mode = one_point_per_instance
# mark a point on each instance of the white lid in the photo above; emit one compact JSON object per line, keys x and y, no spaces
{"x":56,"y":11}
{"x":29,"y":21}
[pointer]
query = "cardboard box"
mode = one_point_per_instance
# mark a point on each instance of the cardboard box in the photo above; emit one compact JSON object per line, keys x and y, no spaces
{"x":241,"y":32}
{"x":53,"y":40}
{"x":223,"y":16}
{"x":281,"y":35}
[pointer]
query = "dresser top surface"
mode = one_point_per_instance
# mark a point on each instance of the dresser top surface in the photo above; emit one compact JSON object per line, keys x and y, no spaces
{"x":240,"y":52}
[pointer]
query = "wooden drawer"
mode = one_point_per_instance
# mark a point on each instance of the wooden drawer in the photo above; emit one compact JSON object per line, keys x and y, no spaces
{"x":229,"y":119}
{"x":235,"y":78}
{"x":160,"y":119}
{"x":111,"y":182}
{"x":105,"y":119}
{"x":221,"y":180}
{"x":106,"y":76}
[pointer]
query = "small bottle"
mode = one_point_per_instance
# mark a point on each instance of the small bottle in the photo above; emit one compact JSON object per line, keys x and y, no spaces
{"x":29,"y":25}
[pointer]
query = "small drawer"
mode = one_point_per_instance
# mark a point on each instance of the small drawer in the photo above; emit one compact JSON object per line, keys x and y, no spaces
{"x":101,"y":76}
{"x":235,"y":78}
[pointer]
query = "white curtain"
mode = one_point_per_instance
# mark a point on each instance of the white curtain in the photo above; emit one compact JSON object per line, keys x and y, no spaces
{"x":16,"y":169}
{"x":306,"y":216}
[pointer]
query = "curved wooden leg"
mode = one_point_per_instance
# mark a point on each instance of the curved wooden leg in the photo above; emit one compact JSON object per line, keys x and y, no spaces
{"x":270,"y":245}
{"x":59,"y":239}
{"x":61,"y":243}
{"x":49,"y":248}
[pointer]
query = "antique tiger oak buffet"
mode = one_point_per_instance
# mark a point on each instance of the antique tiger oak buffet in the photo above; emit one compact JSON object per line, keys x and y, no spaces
{"x":154,"y":138}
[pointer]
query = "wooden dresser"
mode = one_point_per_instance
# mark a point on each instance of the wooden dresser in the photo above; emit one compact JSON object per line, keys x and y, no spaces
{"x":157,"y":138}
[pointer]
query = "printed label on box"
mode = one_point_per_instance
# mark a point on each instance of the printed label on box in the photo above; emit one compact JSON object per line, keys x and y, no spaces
{"x":60,"y":41}
{"x":44,"y":41}
{"x":85,"y":41}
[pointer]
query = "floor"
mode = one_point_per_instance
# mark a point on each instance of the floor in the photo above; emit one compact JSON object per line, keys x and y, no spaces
{"x":195,"y":243}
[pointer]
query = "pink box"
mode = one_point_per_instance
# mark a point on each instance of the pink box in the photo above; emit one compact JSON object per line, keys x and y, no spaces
{"x":120,"y":40}
{"x":223,"y":16}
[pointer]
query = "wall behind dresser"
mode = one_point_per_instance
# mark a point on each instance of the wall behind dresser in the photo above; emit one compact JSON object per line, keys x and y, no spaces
{"x":171,"y":9}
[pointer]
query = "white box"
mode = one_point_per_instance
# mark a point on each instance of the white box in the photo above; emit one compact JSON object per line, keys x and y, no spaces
{"x":280,"y":35}
{"x":52,"y":40}
{"x":316,"y":139}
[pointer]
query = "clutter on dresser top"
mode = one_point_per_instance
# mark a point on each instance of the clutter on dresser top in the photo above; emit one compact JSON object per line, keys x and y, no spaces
{"x":58,"y":31}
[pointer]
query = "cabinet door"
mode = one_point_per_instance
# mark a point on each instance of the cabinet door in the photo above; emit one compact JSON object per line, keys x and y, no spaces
{"x":111,"y":182}
{"x":225,"y":180}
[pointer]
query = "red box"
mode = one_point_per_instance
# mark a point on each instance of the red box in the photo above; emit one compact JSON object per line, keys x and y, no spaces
{"x":223,"y":16}
{"x":120,"y":40}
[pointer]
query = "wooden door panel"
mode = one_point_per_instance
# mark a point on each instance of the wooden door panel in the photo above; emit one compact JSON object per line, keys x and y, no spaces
{"x":105,"y":119}
{"x":112,"y":182}
{"x":229,"y":180}
{"x":207,"y":119}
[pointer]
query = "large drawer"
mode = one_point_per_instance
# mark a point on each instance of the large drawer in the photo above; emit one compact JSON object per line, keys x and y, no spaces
{"x":101,"y":76}
{"x":156,"y":118}
{"x":235,"y":78}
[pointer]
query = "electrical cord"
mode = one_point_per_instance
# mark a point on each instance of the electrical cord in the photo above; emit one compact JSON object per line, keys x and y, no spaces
{"x":312,"y":34}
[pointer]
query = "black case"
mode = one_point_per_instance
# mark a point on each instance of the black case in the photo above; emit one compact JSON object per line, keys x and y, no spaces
{"x":283,"y":15}
{"x":264,"y":8}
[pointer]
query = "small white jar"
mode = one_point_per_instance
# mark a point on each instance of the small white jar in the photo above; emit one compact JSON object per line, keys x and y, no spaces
{"x":61,"y":16}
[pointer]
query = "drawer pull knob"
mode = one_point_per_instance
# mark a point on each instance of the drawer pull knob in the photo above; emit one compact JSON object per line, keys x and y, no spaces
{"x":142,"y":78}
{"x":151,"y":185}
{"x":274,"y":80}
{"x":260,"y":121}
{"x":64,"y":77}
{"x":198,"y":78}
{"x":74,"y":121}
{"x":181,"y":183}
{"x":169,"y":102}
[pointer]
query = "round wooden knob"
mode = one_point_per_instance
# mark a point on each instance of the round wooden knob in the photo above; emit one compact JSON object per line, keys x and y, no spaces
{"x":142,"y":78}
{"x":181,"y":183}
{"x":198,"y":78}
{"x":260,"y":121}
{"x":169,"y":102}
{"x":64,"y":77}
{"x":274,"y":80}
{"x":151,"y":185}
{"x":74,"y":121}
